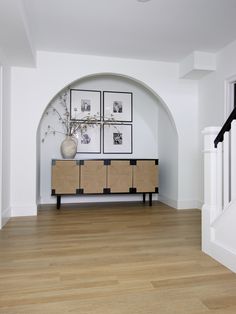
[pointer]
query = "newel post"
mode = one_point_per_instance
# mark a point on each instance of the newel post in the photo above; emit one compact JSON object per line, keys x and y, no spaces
{"x":209,"y":209}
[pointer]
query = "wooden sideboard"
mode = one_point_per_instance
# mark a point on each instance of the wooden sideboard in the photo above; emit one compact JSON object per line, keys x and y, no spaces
{"x":104,"y":176}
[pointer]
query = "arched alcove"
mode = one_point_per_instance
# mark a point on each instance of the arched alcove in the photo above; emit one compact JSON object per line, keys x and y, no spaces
{"x":154,"y":136}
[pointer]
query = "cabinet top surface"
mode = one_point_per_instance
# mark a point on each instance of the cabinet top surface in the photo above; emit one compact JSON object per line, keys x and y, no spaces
{"x":105,"y":159}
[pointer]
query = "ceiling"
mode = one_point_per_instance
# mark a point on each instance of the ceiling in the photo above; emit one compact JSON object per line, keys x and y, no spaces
{"x":163,"y":30}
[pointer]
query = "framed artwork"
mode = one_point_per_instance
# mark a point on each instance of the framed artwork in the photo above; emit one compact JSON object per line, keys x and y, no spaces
{"x":117,"y":138}
{"x":84,"y":103}
{"x":89,"y":141}
{"x":118,"y":105}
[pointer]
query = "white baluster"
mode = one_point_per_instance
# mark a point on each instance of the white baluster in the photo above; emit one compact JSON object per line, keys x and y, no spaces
{"x":219,"y":178}
{"x":210,"y":169}
{"x":209,"y":209}
{"x":226,"y":148}
{"x":233,"y":160}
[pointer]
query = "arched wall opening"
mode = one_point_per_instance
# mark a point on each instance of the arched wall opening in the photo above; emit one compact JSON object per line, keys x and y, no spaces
{"x":154,"y":136}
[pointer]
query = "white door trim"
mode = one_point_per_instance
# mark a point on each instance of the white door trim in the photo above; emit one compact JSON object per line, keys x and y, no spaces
{"x":229,"y":96}
{"x":1,"y":104}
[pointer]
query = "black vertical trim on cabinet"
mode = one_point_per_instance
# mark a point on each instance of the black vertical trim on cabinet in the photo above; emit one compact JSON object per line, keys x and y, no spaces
{"x":54,"y":162}
{"x":106,"y":191}
{"x":81,"y":163}
{"x":78,"y":165}
{"x":132,"y":162}
{"x":107,"y":162}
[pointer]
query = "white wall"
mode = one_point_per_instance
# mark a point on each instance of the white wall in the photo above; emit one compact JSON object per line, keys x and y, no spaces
{"x":212,"y":92}
{"x":212,"y":88}
{"x":32,"y":90}
{"x":145,"y":135}
{"x":168,"y":155}
{"x":4,"y":144}
{"x":1,"y":105}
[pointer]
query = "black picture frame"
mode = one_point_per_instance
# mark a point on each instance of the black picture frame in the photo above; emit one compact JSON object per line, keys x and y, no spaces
{"x":89,"y":142}
{"x":84,"y":102}
{"x":118,"y":105}
{"x":117,"y":138}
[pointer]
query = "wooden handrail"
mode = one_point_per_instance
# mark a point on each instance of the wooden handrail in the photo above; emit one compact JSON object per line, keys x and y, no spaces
{"x":226,"y":127}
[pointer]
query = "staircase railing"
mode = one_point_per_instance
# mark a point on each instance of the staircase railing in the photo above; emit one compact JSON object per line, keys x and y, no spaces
{"x":225,"y":144}
{"x":219,"y":209}
{"x":226,"y":127}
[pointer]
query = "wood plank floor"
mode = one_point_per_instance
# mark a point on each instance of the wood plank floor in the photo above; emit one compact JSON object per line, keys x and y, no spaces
{"x":111,"y":259}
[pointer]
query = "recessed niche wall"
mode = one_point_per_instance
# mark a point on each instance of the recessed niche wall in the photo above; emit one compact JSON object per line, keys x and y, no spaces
{"x":145,"y":133}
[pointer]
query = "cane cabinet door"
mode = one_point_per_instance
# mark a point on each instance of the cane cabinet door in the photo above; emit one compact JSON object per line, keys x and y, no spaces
{"x":65,"y":176}
{"x":92,"y":176}
{"x":119,"y":177}
{"x":145,"y":176}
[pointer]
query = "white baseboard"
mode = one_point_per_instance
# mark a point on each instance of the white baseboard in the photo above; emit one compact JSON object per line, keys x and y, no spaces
{"x":189,"y":204}
{"x":199,"y":204}
{"x":222,"y":254}
{"x":19,"y":211}
{"x":180,"y":204}
{"x":167,"y":201}
{"x":6,"y":215}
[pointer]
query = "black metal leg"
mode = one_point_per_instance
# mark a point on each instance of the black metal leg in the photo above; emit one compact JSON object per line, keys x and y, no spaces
{"x":150,"y":199}
{"x":58,"y":201}
{"x":144,"y":197}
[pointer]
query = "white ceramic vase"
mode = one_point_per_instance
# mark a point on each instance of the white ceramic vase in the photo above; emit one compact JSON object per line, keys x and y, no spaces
{"x":69,"y":147}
